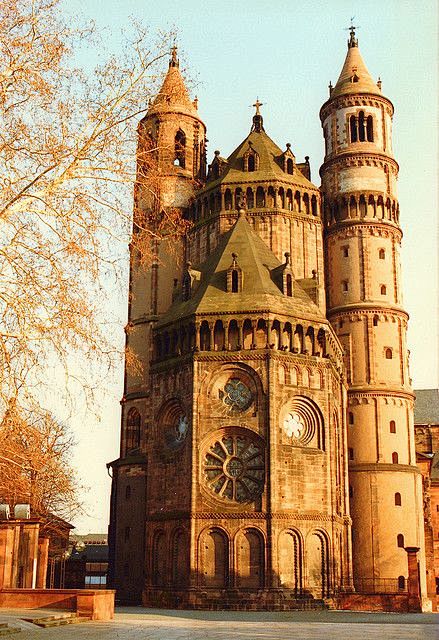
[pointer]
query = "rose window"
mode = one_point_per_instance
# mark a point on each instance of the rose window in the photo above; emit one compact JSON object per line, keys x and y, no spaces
{"x":234,"y":468}
{"x":237,"y":395}
{"x":294,"y":425}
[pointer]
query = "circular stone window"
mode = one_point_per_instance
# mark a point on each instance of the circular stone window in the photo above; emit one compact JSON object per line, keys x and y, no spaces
{"x":237,"y":395}
{"x":176,"y":433}
{"x":233,"y":468}
{"x":294,"y":425}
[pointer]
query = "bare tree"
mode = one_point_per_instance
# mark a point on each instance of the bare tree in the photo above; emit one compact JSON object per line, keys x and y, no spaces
{"x":67,"y":170}
{"x":34,"y":464}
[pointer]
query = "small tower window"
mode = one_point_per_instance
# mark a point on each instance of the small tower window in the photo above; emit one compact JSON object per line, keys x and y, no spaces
{"x":382,"y":254}
{"x":400,"y":540}
{"x":392,"y":426}
{"x":180,"y":149}
{"x":350,"y":417}
{"x":289,"y":285}
{"x":394,"y":458}
{"x":369,"y":127}
{"x":353,"y":128}
{"x":350,"y":453}
{"x":389,"y":354}
{"x":397,"y":499}
{"x":290,"y":166}
{"x":251,"y":163}
{"x":235,"y":280}
{"x":383,"y":289}
{"x":345,"y":252}
{"x":361,"y":131}
{"x":345,"y":285}
{"x":375,"y":321}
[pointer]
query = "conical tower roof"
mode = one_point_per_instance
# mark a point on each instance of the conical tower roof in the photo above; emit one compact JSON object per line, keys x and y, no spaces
{"x":173,"y":95}
{"x":354,"y":77}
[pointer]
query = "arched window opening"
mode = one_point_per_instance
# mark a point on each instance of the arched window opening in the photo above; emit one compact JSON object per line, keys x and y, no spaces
{"x":369,"y":127}
{"x":383,"y":289}
{"x":381,"y":254}
{"x":290,"y":166}
{"x":375,"y":321}
{"x":394,"y":458}
{"x":289,"y":285}
{"x":389,"y":354}
{"x":398,"y":499}
{"x":261,"y":334}
{"x":361,"y":131}
{"x":250,"y":198}
{"x":228,"y":200}
{"x":260,"y":197}
{"x":297,"y":202}
{"x":133,"y":429}
{"x":233,"y":335}
{"x":219,"y":336}
{"x":345,"y":286}
{"x":289,"y":200}
{"x":353,"y":128}
{"x":363,"y":207}
{"x":205,"y":336}
{"x":250,"y":560}
{"x":247,"y":334}
{"x":251,"y":164}
{"x":180,"y":149}
{"x":235,"y":281}
{"x":400,"y":540}
{"x":306,"y":203}
{"x":345,"y":252}
{"x":392,"y":426}
{"x":350,"y":417}
{"x":313,"y":205}
{"x":401,"y":583}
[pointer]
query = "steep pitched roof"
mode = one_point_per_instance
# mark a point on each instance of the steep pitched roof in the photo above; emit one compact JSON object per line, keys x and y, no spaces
{"x":259,"y":292}
{"x":354,"y":77}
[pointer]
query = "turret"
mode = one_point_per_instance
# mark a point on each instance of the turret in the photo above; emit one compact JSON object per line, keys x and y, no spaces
{"x":362,"y":240}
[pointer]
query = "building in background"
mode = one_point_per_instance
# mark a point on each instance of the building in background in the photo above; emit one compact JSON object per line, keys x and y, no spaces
{"x":87,"y":562}
{"x":427,"y":455}
{"x":267,"y":452}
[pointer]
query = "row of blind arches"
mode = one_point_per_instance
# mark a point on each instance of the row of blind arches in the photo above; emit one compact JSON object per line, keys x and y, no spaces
{"x":241,"y":562}
{"x":254,"y":198}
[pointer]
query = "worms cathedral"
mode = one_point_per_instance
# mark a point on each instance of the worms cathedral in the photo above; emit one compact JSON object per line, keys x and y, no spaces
{"x":267,"y":455}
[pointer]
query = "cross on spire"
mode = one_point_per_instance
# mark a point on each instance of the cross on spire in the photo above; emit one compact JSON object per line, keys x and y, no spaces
{"x":352,"y":42}
{"x":257,"y":104}
{"x":173,"y":62}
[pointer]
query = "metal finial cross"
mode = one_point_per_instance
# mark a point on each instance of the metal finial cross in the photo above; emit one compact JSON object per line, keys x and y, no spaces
{"x":174,"y":54}
{"x":258,"y":104}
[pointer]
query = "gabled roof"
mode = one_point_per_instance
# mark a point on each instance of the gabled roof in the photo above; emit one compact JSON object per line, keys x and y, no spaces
{"x":354,"y":77}
{"x":270,"y":164}
{"x":259,"y":292}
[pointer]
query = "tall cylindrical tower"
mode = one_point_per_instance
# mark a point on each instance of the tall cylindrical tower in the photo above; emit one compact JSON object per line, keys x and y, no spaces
{"x":364,"y":303}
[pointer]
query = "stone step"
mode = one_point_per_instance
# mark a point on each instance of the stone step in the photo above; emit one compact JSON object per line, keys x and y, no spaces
{"x":58,"y":621}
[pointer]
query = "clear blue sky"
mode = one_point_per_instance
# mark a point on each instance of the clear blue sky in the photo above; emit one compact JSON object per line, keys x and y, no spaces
{"x":286,"y":53}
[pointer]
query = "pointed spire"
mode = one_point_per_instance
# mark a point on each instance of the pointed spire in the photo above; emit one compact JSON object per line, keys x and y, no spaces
{"x":354,"y":77}
{"x":173,"y":95}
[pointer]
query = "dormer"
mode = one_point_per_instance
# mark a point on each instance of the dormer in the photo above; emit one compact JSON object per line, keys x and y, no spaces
{"x":216,"y":167}
{"x":283,"y":276}
{"x":191,"y":279}
{"x":250,"y":159}
{"x":288,"y":160}
{"x":234,"y":276}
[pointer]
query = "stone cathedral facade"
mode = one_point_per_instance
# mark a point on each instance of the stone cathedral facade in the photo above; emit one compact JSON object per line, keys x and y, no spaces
{"x":267,"y":449}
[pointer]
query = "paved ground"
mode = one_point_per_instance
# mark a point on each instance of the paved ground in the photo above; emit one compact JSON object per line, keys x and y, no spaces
{"x":135,"y":623}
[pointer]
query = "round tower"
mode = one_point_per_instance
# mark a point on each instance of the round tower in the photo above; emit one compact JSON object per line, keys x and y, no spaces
{"x":364,"y":304}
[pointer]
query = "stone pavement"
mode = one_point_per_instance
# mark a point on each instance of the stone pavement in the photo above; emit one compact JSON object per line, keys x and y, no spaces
{"x":135,"y":623}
